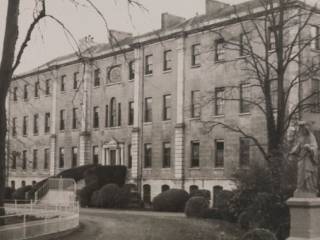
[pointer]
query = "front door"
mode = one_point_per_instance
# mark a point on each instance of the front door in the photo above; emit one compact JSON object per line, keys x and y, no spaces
{"x":113,"y":157}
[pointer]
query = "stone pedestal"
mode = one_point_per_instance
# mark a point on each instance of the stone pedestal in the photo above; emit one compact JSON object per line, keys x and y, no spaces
{"x":305,"y":218}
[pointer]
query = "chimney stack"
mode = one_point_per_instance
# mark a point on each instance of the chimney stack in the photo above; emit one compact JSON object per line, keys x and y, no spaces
{"x":214,"y":6}
{"x":117,"y":36}
{"x":169,"y":20}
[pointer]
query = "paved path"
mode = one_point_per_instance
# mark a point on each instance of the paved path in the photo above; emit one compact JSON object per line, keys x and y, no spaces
{"x":98,"y":224}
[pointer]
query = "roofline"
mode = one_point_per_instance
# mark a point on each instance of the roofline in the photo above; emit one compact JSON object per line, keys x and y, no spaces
{"x":165,"y":35}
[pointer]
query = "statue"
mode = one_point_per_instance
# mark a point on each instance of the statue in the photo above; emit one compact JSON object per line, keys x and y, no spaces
{"x":306,"y":151}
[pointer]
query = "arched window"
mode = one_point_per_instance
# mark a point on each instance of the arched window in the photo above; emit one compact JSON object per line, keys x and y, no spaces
{"x":216,"y":191}
{"x":113,"y":112}
{"x":164,"y":188}
{"x":147,"y":193}
{"x":193,"y":188}
{"x":23,"y":183}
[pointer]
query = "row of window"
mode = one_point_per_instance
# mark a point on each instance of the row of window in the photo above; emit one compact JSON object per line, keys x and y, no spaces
{"x":166,"y":155}
{"x":113,"y":111}
{"x":35,"y":157}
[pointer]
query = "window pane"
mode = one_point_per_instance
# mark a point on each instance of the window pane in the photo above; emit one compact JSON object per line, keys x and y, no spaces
{"x":219,"y":153}
{"x":244,"y":151}
{"x":195,"y":146}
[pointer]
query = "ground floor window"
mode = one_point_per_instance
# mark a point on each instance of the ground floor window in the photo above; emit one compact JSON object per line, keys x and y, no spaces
{"x":193,"y":188}
{"x":164,"y":188}
{"x":147,"y":193}
{"x":216,"y":191}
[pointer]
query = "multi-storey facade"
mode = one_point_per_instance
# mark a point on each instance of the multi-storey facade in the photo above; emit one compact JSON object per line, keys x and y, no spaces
{"x":139,"y":104}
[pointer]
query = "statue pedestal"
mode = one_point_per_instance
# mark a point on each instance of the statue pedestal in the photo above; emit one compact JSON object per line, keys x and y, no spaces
{"x":305,"y":218}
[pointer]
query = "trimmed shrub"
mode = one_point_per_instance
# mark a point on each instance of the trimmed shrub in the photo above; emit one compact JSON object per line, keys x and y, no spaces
{"x":112,"y":196}
{"x":201,"y":193}
{"x":8,"y":193}
{"x":106,"y":174}
{"x":173,"y":200}
{"x":94,"y":201}
{"x":223,"y":199}
{"x":20,"y":193}
{"x":85,"y":194}
{"x":197,"y":207}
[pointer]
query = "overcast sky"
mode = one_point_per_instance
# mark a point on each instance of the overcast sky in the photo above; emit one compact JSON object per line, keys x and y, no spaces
{"x":50,"y":41}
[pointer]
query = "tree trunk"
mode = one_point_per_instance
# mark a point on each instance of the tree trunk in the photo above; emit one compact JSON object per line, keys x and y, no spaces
{"x":6,"y":72}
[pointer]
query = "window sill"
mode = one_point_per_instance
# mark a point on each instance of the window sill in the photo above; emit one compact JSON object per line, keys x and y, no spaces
{"x":112,"y":84}
{"x":166,"y":120}
{"x":166,"y":71}
{"x":112,"y":128}
{"x":218,"y":116}
{"x":165,"y":168}
{"x":244,"y":114}
{"x":37,"y":97}
{"x":95,"y":128}
{"x":218,"y":168}
{"x":194,"y":168}
{"x":96,"y":87}
{"x":47,"y":95}
{"x":194,"y":118}
{"x":195,"y":66}
{"x":63,"y":92}
{"x":148,"y":74}
{"x":147,"y":123}
{"x":220,"y":61}
{"x":131,"y":80}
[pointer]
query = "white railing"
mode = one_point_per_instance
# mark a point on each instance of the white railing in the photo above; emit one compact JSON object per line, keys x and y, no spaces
{"x":58,"y":184}
{"x":47,"y":219}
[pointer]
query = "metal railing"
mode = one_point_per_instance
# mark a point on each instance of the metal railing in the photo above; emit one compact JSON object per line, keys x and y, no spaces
{"x":35,"y":219}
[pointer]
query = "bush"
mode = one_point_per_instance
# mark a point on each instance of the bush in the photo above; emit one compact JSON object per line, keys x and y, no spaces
{"x":106,"y":174}
{"x":257,"y":206}
{"x":111,"y":196}
{"x":8,"y":193}
{"x":20,"y":193}
{"x":94,"y":201}
{"x":223,"y":199}
{"x":173,"y":200}
{"x":197,"y":207}
{"x":85,"y":194}
{"x":201,"y":193}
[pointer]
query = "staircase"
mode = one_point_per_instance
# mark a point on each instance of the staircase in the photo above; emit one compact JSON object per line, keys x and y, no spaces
{"x":57,"y":191}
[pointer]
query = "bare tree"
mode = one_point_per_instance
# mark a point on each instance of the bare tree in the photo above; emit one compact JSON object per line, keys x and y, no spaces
{"x":276,"y":63}
{"x":11,"y":58}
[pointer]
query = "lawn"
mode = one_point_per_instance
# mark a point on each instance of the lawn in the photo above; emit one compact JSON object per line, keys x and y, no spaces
{"x":101,"y":224}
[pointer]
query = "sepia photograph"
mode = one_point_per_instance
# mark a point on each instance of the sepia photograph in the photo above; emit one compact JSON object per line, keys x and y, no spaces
{"x":159,"y":119}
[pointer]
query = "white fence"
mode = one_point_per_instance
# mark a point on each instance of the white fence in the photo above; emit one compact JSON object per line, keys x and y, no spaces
{"x":48,"y":219}
{"x":42,"y":217}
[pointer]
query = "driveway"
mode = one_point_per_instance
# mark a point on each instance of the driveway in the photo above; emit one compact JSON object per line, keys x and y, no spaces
{"x":101,"y":224}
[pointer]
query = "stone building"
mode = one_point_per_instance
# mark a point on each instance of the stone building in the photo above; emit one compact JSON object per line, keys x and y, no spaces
{"x":139,"y":103}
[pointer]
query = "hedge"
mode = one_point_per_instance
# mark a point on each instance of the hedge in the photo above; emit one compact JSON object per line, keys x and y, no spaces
{"x":111,"y":196}
{"x":197,"y":207}
{"x":201,"y":193}
{"x":106,"y":174}
{"x":20,"y":193}
{"x":84,"y":195}
{"x":173,"y":200}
